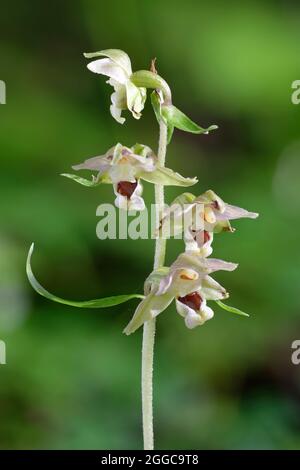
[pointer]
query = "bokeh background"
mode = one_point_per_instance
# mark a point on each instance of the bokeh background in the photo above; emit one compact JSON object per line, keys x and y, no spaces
{"x":72,"y":380}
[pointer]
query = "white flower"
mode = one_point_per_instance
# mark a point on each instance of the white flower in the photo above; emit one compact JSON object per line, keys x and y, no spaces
{"x":124,"y":168}
{"x":199,"y":218}
{"x":188,"y":282}
{"x":117,"y":66}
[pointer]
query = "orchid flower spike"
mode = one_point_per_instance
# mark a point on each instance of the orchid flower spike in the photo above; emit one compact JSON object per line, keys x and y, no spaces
{"x":117,"y":66}
{"x":199,"y":218}
{"x":124,"y":168}
{"x":188,"y":282}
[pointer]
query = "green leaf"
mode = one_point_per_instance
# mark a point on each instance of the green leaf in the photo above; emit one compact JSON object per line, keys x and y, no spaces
{"x":167,"y":177}
{"x":231,"y":309}
{"x":96,"y":303}
{"x":177,"y":118}
{"x":90,"y":183}
{"x":170,"y":132}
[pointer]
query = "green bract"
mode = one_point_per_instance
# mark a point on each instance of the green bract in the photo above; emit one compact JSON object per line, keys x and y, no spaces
{"x":174,"y":118}
{"x":95,"y":303}
{"x":231,"y":309}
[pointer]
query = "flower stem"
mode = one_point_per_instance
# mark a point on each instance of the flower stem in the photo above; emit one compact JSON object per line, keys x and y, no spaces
{"x":149,"y":326}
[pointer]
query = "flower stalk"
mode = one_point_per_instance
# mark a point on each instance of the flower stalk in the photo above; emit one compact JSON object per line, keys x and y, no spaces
{"x":149,"y":326}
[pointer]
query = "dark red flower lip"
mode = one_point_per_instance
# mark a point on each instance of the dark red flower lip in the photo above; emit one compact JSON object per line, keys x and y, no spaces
{"x":126,"y":188}
{"x":192,"y":300}
{"x":215,"y":205}
{"x":203,"y":236}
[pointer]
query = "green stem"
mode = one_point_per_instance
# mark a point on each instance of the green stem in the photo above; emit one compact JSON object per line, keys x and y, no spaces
{"x":149,"y":326}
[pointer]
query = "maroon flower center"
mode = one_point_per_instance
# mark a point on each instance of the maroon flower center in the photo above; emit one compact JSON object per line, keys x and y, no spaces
{"x":215,"y":205}
{"x":206,"y":236}
{"x":203,"y":237}
{"x":126,"y":188}
{"x":192,"y":300}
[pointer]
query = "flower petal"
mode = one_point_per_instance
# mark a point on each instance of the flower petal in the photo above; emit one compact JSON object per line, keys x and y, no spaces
{"x":234,"y":212}
{"x":136,"y":203}
{"x":212,"y":290}
{"x":154,"y":279}
{"x":116,"y":114}
{"x":122,"y":172}
{"x":116,"y":55}
{"x":193,"y":318}
{"x":136,"y":98}
{"x":100,"y":163}
{"x":214,"y":264}
{"x":110,"y":69}
{"x":165,"y":284}
{"x":121,"y":202}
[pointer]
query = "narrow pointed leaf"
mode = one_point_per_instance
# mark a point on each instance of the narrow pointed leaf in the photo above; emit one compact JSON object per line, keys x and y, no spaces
{"x":178,"y":119}
{"x":170,"y":132}
{"x":232,"y":309}
{"x":85,"y":182}
{"x":96,"y":303}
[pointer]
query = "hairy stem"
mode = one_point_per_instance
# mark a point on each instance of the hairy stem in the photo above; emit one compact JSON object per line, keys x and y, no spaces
{"x":149,"y":326}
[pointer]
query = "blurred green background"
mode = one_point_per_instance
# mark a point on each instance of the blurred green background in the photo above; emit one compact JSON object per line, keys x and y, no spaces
{"x":72,"y":380}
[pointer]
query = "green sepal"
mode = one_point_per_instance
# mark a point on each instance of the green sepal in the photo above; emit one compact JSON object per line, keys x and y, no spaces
{"x":170,"y":131}
{"x":150,"y":307}
{"x":95,"y":181}
{"x":96,"y":303}
{"x":231,"y":309}
{"x":142,"y":150}
{"x":155,"y":277}
{"x":147,"y":79}
{"x":167,"y":177}
{"x":184,"y":198}
{"x":176,"y":118}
